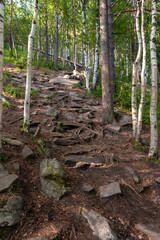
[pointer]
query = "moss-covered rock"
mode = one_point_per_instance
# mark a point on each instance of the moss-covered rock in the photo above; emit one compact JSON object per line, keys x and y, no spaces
{"x":53,"y":179}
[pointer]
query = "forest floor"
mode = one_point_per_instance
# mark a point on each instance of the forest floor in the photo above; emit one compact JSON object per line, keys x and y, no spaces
{"x":76,"y":132}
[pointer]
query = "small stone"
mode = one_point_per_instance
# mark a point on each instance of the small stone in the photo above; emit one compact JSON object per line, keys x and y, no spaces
{"x":114,"y":127}
{"x":34,"y":113}
{"x":149,"y":231}
{"x":23,"y":75}
{"x":109,"y":190}
{"x":99,"y":225}
{"x":6,"y":179}
{"x":12,"y":142}
{"x":16,"y":166}
{"x":93,"y":102}
{"x":52,"y":112}
{"x":158,"y":180}
{"x":26,"y":152}
{"x":86,"y":187}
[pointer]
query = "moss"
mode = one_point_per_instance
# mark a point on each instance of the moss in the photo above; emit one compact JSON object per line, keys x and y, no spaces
{"x":138,"y":145}
{"x":153,"y":159}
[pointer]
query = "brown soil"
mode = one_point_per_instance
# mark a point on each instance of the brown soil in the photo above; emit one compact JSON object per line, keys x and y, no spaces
{"x":83,"y":136}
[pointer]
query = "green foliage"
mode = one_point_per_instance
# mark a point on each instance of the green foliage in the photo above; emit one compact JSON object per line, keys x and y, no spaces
{"x":6,"y":75}
{"x":139,"y":146}
{"x":22,"y":125}
{"x":14,"y":91}
{"x":50,"y":96}
{"x":34,"y":93}
{"x":7,"y":104}
{"x":77,"y":85}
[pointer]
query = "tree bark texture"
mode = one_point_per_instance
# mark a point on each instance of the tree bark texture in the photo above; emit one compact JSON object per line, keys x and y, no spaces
{"x":39,"y":43}
{"x":56,"y":40}
{"x":107,"y":93}
{"x":140,"y":111}
{"x":83,"y":7}
{"x":134,"y":73}
{"x":153,"y":151}
{"x":29,"y":70}
{"x":2,"y":6}
{"x":10,"y":29}
{"x":46,"y":56}
{"x":96,"y":59}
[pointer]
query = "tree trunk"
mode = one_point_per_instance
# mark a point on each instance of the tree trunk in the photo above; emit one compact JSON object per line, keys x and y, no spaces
{"x":83,"y":7}
{"x":111,"y":46}
{"x":56,"y":40}
{"x":75,"y":37}
{"x":107,"y":93}
{"x":134,"y":73}
{"x":96,"y":59}
{"x":46,"y":56}
{"x":68,"y":52}
{"x":39,"y":43}
{"x":10,"y":29}
{"x":2,"y":6}
{"x":153,"y":151}
{"x":29,"y":70}
{"x":140,"y":111}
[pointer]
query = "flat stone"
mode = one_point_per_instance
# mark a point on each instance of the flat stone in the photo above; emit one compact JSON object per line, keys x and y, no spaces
{"x":52,"y":112}
{"x":16,"y":166}
{"x":26,"y":152}
{"x":73,"y":160}
{"x":34,"y":113}
{"x":63,"y":81}
{"x":114,"y":127}
{"x":12,"y":142}
{"x":151,"y":234}
{"x":6,"y":179}
{"x":99,"y":225}
{"x":93,"y":102}
{"x":10,"y":214}
{"x":86,"y":187}
{"x":158,"y":180}
{"x":53,"y":179}
{"x":109,"y":190}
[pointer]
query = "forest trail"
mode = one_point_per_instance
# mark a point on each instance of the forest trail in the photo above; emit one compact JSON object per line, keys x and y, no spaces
{"x":90,"y":154}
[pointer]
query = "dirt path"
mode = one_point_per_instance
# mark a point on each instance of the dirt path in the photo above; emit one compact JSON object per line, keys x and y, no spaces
{"x":75,"y":135}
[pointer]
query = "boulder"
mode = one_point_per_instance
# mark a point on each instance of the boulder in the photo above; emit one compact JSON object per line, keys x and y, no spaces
{"x":6,"y":179}
{"x":158,"y":180}
{"x":99,"y":225}
{"x":109,"y":190}
{"x":10,"y":213}
{"x":150,"y":231}
{"x":52,"y":179}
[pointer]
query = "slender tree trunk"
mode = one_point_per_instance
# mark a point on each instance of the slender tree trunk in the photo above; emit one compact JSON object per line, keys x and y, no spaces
{"x":153,"y":151}
{"x":96,"y":59}
{"x":83,"y":61}
{"x":46,"y":56}
{"x":56,"y":40}
{"x":39,"y":43}
{"x":29,"y":70}
{"x":75,"y":37}
{"x":68,"y":52}
{"x":111,"y":46}
{"x":2,"y":6}
{"x":134,"y":73}
{"x":140,"y":111}
{"x":10,"y":29}
{"x":127,"y":60}
{"x":107,"y":92}
{"x":83,"y":7}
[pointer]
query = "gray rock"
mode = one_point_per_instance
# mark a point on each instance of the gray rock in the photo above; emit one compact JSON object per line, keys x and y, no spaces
{"x":17,"y":80}
{"x":114,"y":127}
{"x":52,"y":112}
{"x":16,"y":166}
{"x":151,"y":233}
{"x":73,"y":160}
{"x":109,"y":190}
{"x":12,"y":142}
{"x":53,"y":179}
{"x":86,"y":187}
{"x":26,"y":152}
{"x":93,"y":102}
{"x":158,"y":180}
{"x":99,"y":225}
{"x":10,"y":213}
{"x":23,"y":75}
{"x":132,"y":172}
{"x":6,"y":179}
{"x":125,"y":119}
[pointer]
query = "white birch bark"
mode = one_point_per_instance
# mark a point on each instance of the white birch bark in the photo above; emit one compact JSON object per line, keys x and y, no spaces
{"x":140,"y":111}
{"x":29,"y":70}
{"x":96,"y":59}
{"x":127,"y":60}
{"x":134,"y":73}
{"x":84,"y":44}
{"x":153,"y":151}
{"x":2,"y":5}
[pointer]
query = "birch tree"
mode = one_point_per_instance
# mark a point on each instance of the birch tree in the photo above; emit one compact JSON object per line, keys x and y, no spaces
{"x":134,"y":73}
{"x":83,"y":7}
{"x":96,"y":61}
{"x":29,"y":70}
{"x":153,"y":151}
{"x":107,"y":90}
{"x":2,"y":5}
{"x":10,"y":29}
{"x":46,"y":56}
{"x":140,"y":111}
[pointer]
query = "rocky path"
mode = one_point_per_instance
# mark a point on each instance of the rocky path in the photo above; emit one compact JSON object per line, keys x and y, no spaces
{"x":109,"y":179}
